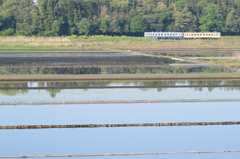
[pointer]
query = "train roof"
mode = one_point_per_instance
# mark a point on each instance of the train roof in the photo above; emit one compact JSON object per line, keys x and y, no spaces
{"x":181,"y":32}
{"x":164,"y":32}
{"x":201,"y":32}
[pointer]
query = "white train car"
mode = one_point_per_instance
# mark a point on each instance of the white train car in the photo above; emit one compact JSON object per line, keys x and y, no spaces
{"x":185,"y":35}
{"x":201,"y":35}
{"x":164,"y":35}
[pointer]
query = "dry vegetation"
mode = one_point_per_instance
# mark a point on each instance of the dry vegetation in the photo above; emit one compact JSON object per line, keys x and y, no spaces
{"x":128,"y":43}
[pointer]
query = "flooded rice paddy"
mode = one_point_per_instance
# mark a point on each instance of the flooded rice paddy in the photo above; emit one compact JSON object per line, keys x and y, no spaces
{"x":117,"y":102}
{"x":121,"y":91}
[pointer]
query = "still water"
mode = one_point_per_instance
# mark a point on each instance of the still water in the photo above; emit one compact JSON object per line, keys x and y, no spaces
{"x":117,"y":140}
{"x":61,"y":93}
{"x":119,"y":113}
{"x":107,"y":83}
{"x":121,"y":140}
{"x":120,"y":94}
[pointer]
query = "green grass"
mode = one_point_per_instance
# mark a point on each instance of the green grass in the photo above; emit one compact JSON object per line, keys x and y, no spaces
{"x":228,"y":63}
{"x":23,"y":47}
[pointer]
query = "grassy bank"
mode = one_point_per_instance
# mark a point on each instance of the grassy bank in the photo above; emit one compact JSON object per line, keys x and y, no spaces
{"x":118,"y":77}
{"x":234,"y":63}
{"x":116,"y":42}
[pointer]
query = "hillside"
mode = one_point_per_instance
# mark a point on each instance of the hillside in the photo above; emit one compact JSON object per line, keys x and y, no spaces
{"x":117,"y":17}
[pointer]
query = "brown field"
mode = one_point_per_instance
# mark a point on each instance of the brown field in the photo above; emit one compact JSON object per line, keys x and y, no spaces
{"x":125,"y":43}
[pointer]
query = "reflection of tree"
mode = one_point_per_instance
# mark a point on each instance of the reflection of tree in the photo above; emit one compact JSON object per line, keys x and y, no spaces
{"x":53,"y":92}
{"x":234,"y":82}
{"x":13,"y":92}
{"x":157,"y":84}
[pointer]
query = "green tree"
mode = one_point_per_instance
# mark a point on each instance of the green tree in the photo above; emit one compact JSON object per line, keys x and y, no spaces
{"x":137,"y":24}
{"x":232,"y":22}
{"x":84,"y":26}
{"x":104,"y":26}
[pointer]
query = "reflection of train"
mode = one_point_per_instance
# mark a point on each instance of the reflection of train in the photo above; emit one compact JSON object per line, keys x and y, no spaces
{"x":185,"y":35}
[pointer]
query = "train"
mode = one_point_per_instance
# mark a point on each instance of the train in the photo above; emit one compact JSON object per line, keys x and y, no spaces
{"x":183,"y":35}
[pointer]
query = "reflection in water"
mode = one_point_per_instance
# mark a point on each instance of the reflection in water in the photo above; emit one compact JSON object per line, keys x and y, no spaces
{"x":158,"y":84}
{"x":112,"y":70}
{"x":116,"y":140}
{"x":13,"y":92}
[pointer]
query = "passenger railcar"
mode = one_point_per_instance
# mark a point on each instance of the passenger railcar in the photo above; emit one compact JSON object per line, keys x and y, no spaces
{"x":164,"y":35}
{"x":185,"y":35}
{"x":201,"y":35}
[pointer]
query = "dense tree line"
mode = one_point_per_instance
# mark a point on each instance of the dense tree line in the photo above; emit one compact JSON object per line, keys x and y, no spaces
{"x":117,"y":17}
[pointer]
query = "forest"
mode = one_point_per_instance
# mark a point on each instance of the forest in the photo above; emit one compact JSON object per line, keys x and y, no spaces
{"x":117,"y":17}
